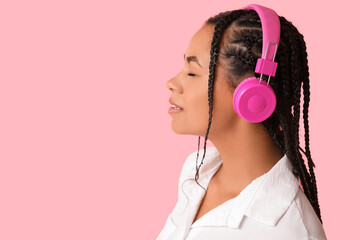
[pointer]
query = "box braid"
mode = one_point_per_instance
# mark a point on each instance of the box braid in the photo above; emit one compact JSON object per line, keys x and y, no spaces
{"x":242,"y":30}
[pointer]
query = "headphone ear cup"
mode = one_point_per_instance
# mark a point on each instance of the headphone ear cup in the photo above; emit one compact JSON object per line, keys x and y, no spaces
{"x":254,"y":102}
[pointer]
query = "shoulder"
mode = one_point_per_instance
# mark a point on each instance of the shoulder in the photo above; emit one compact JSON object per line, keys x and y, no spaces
{"x":309,"y":217}
{"x":302,"y":219}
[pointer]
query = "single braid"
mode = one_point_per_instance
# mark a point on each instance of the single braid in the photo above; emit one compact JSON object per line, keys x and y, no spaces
{"x":296,"y":82}
{"x":306,"y":92}
{"x":224,"y":22}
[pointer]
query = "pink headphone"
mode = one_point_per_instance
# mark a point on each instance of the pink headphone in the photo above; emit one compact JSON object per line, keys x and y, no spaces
{"x":254,"y":100}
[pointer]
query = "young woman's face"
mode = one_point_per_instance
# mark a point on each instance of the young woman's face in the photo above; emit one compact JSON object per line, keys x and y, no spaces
{"x":190,"y":91}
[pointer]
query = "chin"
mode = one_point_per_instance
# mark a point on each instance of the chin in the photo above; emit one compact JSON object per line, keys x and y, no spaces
{"x":179,"y":127}
{"x":178,"y":130}
{"x":182,"y":131}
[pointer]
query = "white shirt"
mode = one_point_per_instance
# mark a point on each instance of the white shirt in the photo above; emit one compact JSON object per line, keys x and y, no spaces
{"x":272,"y":206}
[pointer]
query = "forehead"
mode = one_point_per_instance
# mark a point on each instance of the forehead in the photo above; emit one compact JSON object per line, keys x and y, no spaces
{"x":200,"y":44}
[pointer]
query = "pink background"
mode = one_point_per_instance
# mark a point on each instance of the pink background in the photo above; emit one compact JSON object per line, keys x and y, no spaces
{"x":86,"y":146}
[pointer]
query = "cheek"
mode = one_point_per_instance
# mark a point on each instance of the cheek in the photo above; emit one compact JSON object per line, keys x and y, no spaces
{"x":196,"y":94}
{"x":196,"y":100}
{"x":198,"y":106}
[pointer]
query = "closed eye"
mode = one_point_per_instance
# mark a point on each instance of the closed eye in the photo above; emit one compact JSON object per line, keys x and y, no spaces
{"x":191,"y":74}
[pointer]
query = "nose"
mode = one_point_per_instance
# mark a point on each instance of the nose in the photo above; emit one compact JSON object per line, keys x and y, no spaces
{"x":169,"y":85}
{"x":172,"y":84}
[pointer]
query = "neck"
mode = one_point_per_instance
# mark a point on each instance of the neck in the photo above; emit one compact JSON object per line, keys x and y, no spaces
{"x":247,"y":152}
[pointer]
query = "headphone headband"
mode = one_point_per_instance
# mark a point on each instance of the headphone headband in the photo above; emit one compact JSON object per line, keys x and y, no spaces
{"x":270,"y":25}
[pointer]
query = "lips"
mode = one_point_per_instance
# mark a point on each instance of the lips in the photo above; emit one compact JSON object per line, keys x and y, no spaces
{"x":172,"y":103}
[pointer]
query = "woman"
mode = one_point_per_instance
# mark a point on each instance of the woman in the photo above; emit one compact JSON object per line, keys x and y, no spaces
{"x":249,"y":185}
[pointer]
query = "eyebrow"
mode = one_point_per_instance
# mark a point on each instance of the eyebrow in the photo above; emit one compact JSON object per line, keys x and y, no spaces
{"x":192,"y":59}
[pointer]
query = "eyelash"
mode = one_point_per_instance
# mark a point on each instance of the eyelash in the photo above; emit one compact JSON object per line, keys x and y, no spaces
{"x":191,"y":74}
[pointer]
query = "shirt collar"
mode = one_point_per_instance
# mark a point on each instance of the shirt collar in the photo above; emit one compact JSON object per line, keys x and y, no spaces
{"x":265,"y":199}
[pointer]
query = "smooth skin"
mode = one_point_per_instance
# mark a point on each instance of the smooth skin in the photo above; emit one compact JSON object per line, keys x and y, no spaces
{"x":247,"y":149}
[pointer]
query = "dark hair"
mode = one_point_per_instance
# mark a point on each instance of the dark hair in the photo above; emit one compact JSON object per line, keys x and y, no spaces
{"x":238,"y":51}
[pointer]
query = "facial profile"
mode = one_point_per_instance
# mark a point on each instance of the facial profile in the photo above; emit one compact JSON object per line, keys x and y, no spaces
{"x":190,"y":90}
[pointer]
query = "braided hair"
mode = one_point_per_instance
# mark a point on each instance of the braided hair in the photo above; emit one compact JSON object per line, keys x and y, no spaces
{"x":237,"y":44}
